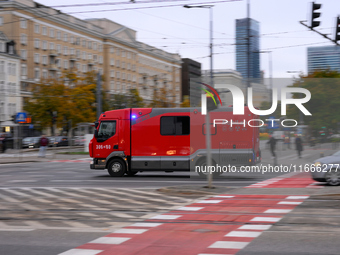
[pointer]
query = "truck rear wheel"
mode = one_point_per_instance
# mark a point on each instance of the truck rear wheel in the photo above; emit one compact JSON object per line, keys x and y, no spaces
{"x":203,"y":167}
{"x":116,"y":168}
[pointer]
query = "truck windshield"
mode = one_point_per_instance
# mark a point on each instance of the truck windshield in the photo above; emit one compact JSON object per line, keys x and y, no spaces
{"x":107,"y":129}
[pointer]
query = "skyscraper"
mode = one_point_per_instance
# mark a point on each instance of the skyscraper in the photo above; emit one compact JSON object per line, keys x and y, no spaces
{"x":324,"y":57}
{"x":241,"y":48}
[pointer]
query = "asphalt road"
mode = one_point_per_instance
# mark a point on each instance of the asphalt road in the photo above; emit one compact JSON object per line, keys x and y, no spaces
{"x":50,"y":207}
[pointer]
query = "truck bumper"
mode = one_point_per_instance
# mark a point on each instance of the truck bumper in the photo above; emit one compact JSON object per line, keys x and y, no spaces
{"x":98,"y":164}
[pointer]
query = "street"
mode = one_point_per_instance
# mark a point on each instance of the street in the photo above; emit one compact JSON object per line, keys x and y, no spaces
{"x":53,"y":205}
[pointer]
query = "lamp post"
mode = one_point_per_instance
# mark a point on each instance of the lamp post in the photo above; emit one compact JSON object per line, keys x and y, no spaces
{"x":270,"y":70}
{"x":207,"y":118}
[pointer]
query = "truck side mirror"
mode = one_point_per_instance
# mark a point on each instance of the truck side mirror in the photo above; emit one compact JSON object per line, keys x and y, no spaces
{"x":96,"y":124}
{"x":96,"y":133}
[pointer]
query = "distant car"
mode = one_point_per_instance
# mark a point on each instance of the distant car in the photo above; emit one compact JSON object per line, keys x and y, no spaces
{"x":31,"y":142}
{"x":327,"y":169}
{"x":79,"y":140}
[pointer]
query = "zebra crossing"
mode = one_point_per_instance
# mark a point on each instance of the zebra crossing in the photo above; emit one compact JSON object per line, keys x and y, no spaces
{"x":81,"y":209}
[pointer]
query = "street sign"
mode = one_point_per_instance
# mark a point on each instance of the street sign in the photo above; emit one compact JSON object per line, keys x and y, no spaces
{"x":21,"y":117}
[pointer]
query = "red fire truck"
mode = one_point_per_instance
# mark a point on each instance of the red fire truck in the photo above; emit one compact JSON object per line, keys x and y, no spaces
{"x":130,"y":140}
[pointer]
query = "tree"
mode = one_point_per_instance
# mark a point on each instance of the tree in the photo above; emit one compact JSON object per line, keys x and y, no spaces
{"x":71,"y":98}
{"x":324,"y":104}
{"x":161,"y":98}
{"x":129,"y":100}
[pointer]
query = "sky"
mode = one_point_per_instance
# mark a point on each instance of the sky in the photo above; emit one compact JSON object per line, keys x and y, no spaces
{"x":167,"y":25}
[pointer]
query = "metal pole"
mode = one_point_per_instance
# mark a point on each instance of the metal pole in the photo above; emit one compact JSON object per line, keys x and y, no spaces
{"x":248,"y":49}
{"x":207,"y":118}
{"x":99,"y":97}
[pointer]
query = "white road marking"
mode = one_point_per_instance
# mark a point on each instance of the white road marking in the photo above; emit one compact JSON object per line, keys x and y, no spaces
{"x":130,"y":231}
{"x":268,"y":219}
{"x":255,"y":227}
{"x":165,"y":217}
{"x":288,"y":203}
{"x":277,"y":211}
{"x":297,"y":197}
{"x":209,"y":202}
{"x":151,"y":225}
{"x":110,"y":240}
{"x":187,"y":208}
{"x":228,"y":245}
{"x":81,"y":252}
{"x":244,"y":234}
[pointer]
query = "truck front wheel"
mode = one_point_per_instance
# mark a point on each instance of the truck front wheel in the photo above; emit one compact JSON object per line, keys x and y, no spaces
{"x":116,"y":168}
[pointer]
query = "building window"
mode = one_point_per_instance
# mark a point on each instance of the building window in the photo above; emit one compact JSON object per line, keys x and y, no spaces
{"x":65,"y":37}
{"x":123,"y":64}
{"x":117,"y":63}
{"x":2,"y":66}
{"x":23,"y":39}
{"x":95,"y":46}
{"x":36,"y":28}
{"x":84,"y":68}
{"x":118,"y":75}
{"x":118,"y":52}
{"x":36,"y":73}
{"x":36,"y":58}
{"x":123,"y":54}
{"x":51,"y":46}
{"x":78,"y":41}
{"x":112,"y":50}
{"x":58,"y":48}
{"x":44,"y":60}
{"x":84,"y":55}
{"x":112,"y":85}
{"x":100,"y":59}
{"x":36,"y":43}
{"x":78,"y":53}
{"x":23,"y":70}
{"x":44,"y":30}
{"x":100,"y":71}
{"x":89,"y":45}
{"x":65,"y":64}
{"x":100,"y":47}
{"x":84,"y":43}
{"x":44,"y":74}
{"x":2,"y":47}
{"x":112,"y":73}
{"x":71,"y":39}
{"x":23,"y":23}
{"x":65,"y":50}
{"x":44,"y":45}
{"x":23,"y":54}
{"x":112,"y":62}
{"x":58,"y":35}
{"x":89,"y":57}
{"x":51,"y":32}
{"x":129,"y":55}
{"x":78,"y":66}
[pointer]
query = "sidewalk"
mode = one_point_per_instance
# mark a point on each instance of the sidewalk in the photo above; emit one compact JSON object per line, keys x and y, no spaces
{"x":31,"y":155}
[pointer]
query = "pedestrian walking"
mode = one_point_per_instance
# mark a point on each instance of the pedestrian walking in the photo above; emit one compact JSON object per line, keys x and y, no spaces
{"x":298,"y":145}
{"x":272,"y":143}
{"x":43,"y":145}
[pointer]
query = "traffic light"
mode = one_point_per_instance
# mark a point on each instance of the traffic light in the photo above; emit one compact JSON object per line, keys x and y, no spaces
{"x":13,"y":119}
{"x":337,"y":29}
{"x":315,"y":15}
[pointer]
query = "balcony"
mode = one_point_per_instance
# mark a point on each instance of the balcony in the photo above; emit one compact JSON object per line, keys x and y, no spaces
{"x":53,"y":53}
{"x":53,"y":67}
{"x":90,"y":62}
{"x":73,"y":57}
